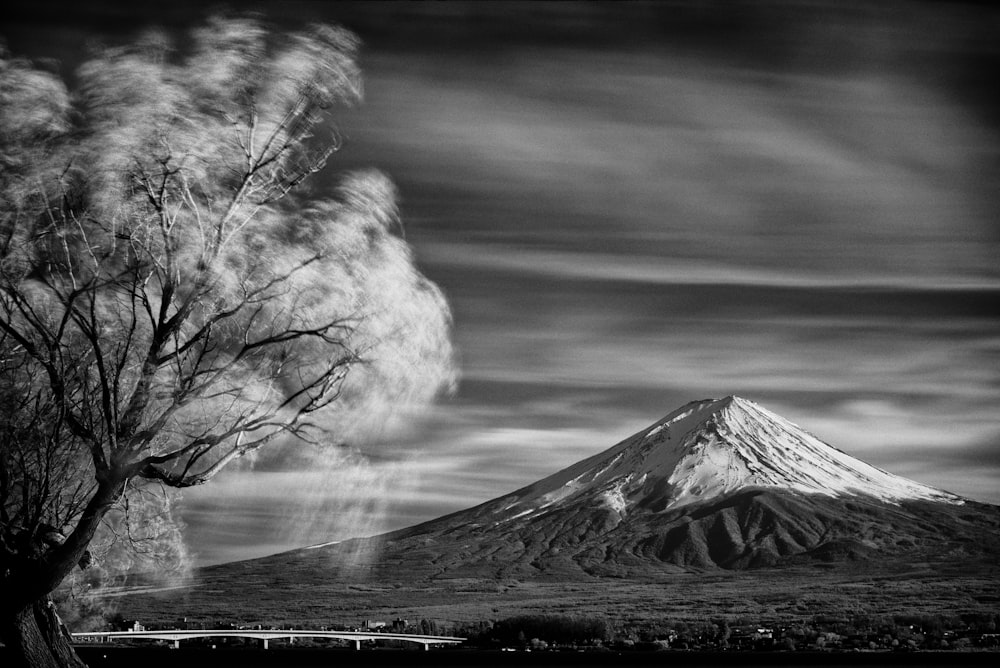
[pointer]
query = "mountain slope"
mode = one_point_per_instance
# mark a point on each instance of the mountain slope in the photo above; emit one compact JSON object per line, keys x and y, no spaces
{"x":718,"y":483}
{"x":716,"y":447}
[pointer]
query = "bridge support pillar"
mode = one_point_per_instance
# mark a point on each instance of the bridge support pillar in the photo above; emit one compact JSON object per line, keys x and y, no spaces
{"x":177,"y":644}
{"x":357,"y":644}
{"x":265,"y":643}
{"x":427,"y":646}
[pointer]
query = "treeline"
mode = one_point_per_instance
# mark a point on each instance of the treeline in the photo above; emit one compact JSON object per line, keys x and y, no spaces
{"x":872,"y":632}
{"x":550,"y":628}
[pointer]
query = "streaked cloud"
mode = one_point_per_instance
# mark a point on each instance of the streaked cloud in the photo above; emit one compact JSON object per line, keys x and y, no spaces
{"x":625,"y":229}
{"x":673,"y":271}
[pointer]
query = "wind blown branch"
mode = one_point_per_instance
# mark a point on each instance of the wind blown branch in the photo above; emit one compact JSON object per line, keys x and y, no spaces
{"x":172,"y":298}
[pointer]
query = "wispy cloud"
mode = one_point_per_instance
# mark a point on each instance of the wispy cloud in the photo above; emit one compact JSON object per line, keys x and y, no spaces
{"x":679,"y":271}
{"x":619,"y":232}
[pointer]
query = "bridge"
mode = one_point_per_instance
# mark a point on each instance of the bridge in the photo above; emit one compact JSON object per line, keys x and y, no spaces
{"x":264,"y":635}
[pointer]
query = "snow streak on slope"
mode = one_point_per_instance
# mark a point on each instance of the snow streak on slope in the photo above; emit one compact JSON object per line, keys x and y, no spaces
{"x":711,"y":448}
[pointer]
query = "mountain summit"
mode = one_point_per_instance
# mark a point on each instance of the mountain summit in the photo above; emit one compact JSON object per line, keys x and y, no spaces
{"x":713,"y":448}
{"x":718,"y":483}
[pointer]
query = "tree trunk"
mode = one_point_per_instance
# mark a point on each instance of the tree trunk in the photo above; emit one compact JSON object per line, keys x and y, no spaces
{"x":36,"y":638}
{"x":29,"y":625}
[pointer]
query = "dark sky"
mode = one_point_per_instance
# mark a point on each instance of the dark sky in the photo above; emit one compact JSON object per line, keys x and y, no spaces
{"x":635,"y":205}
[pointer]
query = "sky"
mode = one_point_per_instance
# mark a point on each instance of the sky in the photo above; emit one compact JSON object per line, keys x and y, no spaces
{"x":630,"y":206}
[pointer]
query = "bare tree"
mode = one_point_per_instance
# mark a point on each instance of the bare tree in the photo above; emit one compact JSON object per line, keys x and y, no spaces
{"x":173,"y":296}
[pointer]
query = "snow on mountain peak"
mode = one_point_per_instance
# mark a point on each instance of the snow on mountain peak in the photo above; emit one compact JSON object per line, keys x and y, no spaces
{"x":741,"y":444}
{"x":715,"y":447}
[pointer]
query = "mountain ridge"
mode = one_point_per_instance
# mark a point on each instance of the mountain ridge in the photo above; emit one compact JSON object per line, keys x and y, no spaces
{"x":684,"y":423}
{"x":710,"y":430}
{"x":715,"y":484}
{"x":569,"y":542}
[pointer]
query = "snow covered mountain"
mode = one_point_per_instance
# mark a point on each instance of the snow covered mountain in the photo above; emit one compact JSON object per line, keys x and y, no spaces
{"x":712,"y":448}
{"x":646,"y":527}
{"x":718,"y":483}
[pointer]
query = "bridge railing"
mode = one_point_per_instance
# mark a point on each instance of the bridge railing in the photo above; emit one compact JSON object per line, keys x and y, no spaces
{"x":176,"y":635}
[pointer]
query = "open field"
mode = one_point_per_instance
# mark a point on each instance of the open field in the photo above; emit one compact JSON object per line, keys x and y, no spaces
{"x":771,"y":595}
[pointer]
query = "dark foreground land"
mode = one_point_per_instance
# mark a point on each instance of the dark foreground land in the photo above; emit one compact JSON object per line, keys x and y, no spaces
{"x":315,"y":596}
{"x":115,"y":657}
